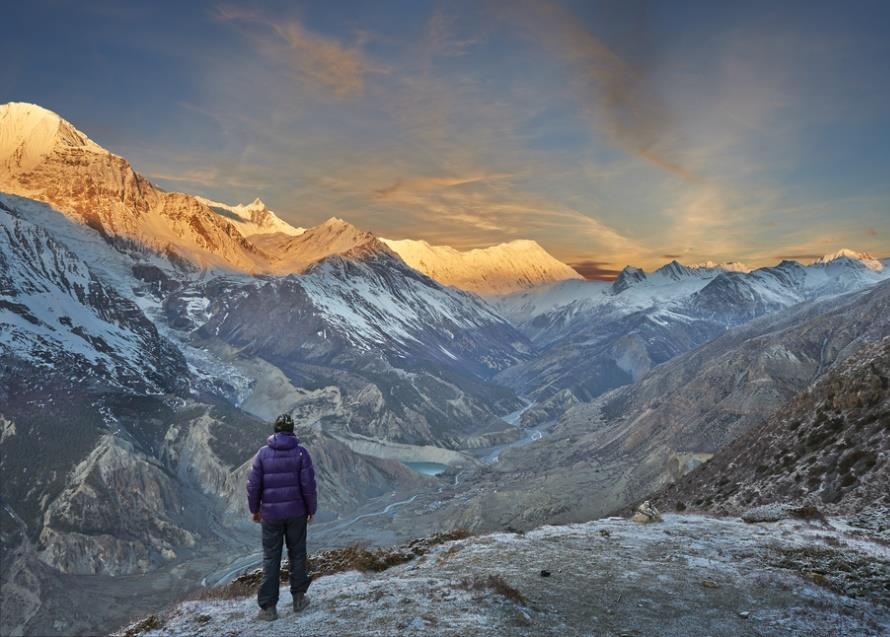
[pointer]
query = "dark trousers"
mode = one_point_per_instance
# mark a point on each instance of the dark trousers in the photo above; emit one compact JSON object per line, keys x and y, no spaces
{"x":275,"y":532}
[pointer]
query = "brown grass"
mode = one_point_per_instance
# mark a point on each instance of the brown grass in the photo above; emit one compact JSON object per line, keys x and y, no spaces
{"x":495,"y":583}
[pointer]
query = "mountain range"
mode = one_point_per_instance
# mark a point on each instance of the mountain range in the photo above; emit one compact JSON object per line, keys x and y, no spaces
{"x":148,"y":337}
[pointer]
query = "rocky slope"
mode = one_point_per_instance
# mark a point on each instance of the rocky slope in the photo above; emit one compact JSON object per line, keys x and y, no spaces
{"x":685,"y":576}
{"x":829,"y":446}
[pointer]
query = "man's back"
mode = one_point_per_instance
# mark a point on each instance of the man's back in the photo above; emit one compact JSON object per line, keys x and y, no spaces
{"x":281,"y":494}
{"x":282,"y":479}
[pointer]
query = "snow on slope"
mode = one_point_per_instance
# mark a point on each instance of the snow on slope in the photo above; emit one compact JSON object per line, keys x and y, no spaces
{"x":498,"y":269}
{"x":29,"y":132}
{"x":723,"y":284}
{"x":399,"y":308}
{"x":253,"y":218}
{"x":54,"y":311}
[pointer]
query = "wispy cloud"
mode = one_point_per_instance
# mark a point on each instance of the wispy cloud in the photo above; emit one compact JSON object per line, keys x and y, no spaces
{"x":797,"y":257}
{"x":443,"y":37}
{"x":316,"y":58}
{"x":415,"y":184}
{"x":621,"y":98}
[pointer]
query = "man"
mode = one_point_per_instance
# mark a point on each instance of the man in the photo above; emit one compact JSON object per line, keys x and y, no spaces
{"x":281,"y":496}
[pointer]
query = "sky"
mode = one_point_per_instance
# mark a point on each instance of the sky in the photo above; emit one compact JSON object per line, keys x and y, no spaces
{"x":613,"y":133}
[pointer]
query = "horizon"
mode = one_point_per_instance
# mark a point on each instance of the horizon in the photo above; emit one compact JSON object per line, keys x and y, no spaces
{"x":612,"y":136}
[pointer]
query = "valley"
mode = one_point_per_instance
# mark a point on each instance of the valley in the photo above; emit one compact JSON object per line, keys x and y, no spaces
{"x":148,"y":338}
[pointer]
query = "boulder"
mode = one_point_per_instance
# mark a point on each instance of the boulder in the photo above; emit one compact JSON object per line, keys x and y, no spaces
{"x":646,"y":513}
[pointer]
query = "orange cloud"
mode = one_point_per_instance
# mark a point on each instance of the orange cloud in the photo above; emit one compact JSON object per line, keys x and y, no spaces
{"x":316,"y":58}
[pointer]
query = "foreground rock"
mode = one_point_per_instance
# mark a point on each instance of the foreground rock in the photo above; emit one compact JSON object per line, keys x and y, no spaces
{"x":690,"y":575}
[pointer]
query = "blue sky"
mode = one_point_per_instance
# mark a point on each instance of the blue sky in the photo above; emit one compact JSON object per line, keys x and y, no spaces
{"x":611,"y":132}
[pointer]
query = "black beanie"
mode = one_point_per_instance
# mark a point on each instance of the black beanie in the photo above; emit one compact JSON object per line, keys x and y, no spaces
{"x":284,"y":423}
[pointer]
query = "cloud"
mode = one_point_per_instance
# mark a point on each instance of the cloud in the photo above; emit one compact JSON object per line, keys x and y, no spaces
{"x":597,"y":270}
{"x":431,"y":183}
{"x":798,"y":257}
{"x":316,"y":58}
{"x":871,"y":232}
{"x":621,"y":98}
{"x":441,"y":36}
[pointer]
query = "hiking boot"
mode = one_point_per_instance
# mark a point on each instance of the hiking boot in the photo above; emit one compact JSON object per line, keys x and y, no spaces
{"x":267,"y":614}
{"x":300,"y":602}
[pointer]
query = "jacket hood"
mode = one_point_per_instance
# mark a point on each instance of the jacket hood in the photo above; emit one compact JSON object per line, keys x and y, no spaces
{"x":282,"y":440}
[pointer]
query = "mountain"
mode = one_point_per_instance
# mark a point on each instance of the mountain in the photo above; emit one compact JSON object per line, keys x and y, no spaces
{"x":55,"y":313}
{"x":828,"y":446}
{"x":499,"y":269}
{"x":384,"y":351}
{"x":295,"y":253}
{"x":592,"y":338}
{"x":726,"y":266}
{"x":253,"y":218}
{"x":44,"y":157}
{"x":606,"y":453}
{"x":845,"y":253}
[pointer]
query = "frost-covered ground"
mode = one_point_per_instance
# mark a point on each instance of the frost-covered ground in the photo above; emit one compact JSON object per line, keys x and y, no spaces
{"x":687,"y":576}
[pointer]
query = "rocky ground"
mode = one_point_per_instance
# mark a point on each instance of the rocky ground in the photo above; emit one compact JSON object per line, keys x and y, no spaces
{"x":688,"y":575}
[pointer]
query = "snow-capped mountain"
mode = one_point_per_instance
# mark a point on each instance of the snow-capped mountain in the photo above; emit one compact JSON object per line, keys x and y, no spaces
{"x":55,"y":313}
{"x":845,"y":253}
{"x":44,"y":157}
{"x":592,"y":338}
{"x":295,"y":253}
{"x":253,"y":218}
{"x":728,"y":266}
{"x":500,"y":269}
{"x":406,"y":359}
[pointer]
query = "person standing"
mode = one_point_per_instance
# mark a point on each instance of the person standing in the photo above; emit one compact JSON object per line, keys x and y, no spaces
{"x":281,"y":495}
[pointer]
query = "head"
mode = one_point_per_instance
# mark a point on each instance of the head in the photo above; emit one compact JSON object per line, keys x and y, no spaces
{"x":284,"y":423}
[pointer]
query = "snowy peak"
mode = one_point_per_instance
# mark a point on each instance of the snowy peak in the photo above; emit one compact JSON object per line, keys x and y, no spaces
{"x":674,"y":271}
{"x":333,"y":237}
{"x":253,"y":218}
{"x":726,"y":266}
{"x":500,"y":269}
{"x":863,"y":258}
{"x":628,"y":277}
{"x":29,"y":132}
{"x":45,"y":158}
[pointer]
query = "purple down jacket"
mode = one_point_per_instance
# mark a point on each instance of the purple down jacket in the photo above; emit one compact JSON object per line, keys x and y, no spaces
{"x":281,"y":482}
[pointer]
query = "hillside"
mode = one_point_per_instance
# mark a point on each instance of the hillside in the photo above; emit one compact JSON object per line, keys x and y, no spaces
{"x":829,"y":446}
{"x":685,"y":576}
